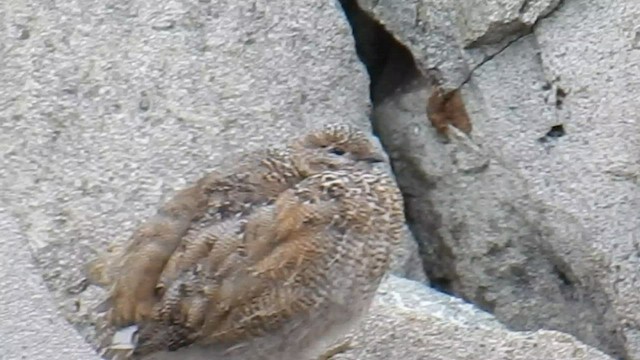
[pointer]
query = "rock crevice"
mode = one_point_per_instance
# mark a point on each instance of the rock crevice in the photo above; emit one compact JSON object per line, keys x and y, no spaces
{"x":487,"y":232}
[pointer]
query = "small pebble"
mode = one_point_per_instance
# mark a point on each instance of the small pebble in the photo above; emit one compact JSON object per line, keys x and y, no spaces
{"x":166,"y":24}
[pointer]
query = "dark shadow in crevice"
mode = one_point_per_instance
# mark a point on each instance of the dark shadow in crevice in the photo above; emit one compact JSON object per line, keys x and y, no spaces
{"x":554,"y":133}
{"x":390,"y":64}
{"x":392,"y":69}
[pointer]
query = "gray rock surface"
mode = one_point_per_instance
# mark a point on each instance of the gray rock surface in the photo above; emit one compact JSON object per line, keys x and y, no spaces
{"x":534,"y":216}
{"x":429,"y":29}
{"x":487,"y":22}
{"x":108,"y":107}
{"x":413,"y":322}
{"x":30,"y":325}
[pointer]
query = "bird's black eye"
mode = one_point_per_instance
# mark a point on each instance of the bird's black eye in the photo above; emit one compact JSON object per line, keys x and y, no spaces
{"x":336,"y":151}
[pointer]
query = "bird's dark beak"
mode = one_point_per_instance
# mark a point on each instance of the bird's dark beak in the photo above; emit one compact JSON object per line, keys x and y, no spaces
{"x":374,"y":159}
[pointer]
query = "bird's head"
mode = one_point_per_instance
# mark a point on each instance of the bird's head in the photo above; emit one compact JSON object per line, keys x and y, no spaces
{"x":335,"y":146}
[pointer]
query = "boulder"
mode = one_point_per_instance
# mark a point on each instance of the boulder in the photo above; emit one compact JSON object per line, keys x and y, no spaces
{"x":411,"y":321}
{"x":533,"y":214}
{"x":109,"y":107}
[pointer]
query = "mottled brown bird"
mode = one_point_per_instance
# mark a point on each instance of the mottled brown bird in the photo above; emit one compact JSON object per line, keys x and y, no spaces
{"x":138,"y":273}
{"x":287,"y":282}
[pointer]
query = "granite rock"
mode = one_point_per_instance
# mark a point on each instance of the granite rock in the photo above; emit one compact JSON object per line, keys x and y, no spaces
{"x":532,"y":216}
{"x":108,"y":107}
{"x":414,"y":322}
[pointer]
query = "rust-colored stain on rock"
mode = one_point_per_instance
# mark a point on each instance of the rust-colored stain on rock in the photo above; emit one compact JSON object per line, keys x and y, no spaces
{"x":447,"y":108}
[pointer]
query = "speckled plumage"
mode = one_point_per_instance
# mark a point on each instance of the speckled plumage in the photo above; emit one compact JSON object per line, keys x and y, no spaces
{"x":262,"y":261}
{"x":322,"y":248}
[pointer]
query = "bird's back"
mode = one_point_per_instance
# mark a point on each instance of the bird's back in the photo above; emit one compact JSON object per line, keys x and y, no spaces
{"x":265,"y":259}
{"x":298,"y":284}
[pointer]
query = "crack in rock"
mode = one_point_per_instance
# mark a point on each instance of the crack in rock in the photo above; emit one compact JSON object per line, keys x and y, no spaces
{"x":519,"y":269}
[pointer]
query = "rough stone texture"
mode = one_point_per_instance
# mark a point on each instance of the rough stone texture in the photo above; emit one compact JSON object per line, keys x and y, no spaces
{"x":429,"y":29}
{"x":413,"y":322}
{"x":486,"y":237}
{"x":107,"y":107}
{"x":455,"y":36}
{"x":538,"y":225}
{"x":31,"y":328}
{"x":486,"y":22}
{"x":600,"y":160}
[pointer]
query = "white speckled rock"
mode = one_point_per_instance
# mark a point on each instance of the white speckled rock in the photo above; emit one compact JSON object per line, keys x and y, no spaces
{"x":413,"y":322}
